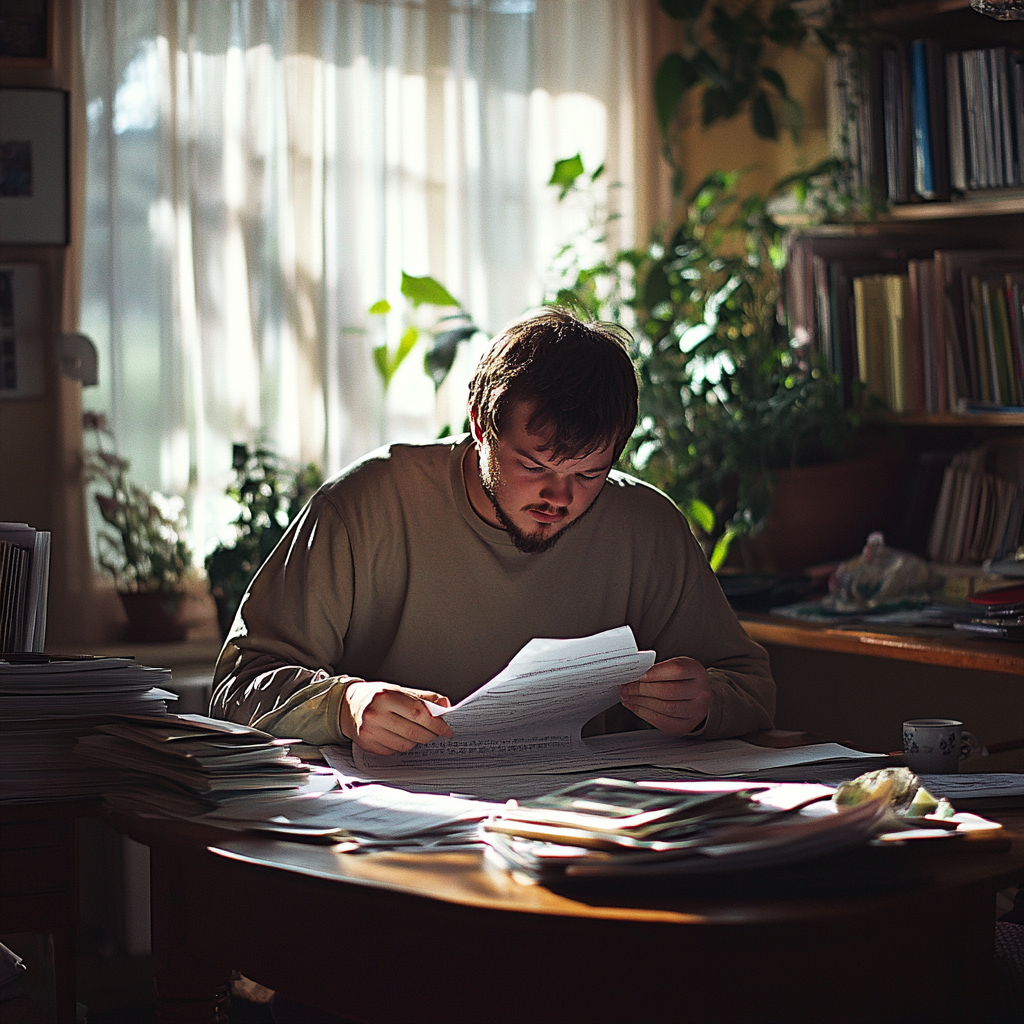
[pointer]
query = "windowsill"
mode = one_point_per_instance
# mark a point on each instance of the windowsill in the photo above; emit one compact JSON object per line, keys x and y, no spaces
{"x":179,"y":654}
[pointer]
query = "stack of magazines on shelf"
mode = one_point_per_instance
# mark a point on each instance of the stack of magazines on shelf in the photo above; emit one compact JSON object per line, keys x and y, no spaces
{"x":612,"y":827}
{"x":48,"y":701}
{"x":190,"y":765}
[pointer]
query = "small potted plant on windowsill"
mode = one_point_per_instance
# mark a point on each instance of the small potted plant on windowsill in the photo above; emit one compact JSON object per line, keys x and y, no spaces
{"x":143,"y":546}
{"x":269,"y":494}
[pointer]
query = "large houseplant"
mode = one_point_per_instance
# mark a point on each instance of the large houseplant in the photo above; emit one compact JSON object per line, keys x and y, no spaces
{"x":142,"y":543}
{"x":728,"y":399}
{"x":269,"y":493}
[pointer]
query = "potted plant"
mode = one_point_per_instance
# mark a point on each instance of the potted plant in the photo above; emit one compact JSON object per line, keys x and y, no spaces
{"x":142,"y":545}
{"x":269,"y":494}
{"x":730,"y":405}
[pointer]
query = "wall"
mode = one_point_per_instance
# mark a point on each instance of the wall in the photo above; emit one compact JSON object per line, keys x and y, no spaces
{"x":41,"y":439}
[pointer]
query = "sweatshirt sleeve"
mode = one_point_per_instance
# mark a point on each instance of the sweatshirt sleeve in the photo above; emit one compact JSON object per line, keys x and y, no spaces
{"x":688,"y":616}
{"x":277,"y":670}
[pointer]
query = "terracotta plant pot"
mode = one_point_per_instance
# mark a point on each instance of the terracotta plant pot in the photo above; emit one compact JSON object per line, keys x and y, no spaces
{"x":153,"y":616}
{"x":824,"y":513}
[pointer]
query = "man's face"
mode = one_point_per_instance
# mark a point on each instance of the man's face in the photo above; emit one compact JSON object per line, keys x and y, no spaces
{"x":521,"y":489}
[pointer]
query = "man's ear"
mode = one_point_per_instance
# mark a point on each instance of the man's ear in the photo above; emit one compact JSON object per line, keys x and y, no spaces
{"x":474,"y":425}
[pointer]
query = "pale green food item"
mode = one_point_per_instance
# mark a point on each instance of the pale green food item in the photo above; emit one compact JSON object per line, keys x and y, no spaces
{"x":897,"y":786}
{"x":923,"y":803}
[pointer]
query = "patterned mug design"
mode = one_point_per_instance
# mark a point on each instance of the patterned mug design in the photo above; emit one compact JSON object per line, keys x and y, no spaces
{"x":933,"y":744}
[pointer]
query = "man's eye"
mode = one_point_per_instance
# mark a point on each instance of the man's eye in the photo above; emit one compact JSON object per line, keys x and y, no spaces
{"x":532,"y":469}
{"x":588,"y":477}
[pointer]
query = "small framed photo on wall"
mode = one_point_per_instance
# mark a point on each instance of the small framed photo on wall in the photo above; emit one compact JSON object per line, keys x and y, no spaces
{"x":26,"y":33}
{"x":21,"y":338}
{"x":33,"y":167}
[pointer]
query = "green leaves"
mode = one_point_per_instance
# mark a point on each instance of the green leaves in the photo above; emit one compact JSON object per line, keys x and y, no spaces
{"x":426,"y":291}
{"x":729,"y":50}
{"x":675,"y":75}
{"x":441,"y":355}
{"x":565,"y":173}
{"x":683,"y":10}
{"x":761,"y":116}
{"x":388,"y":362}
{"x":437,"y":363}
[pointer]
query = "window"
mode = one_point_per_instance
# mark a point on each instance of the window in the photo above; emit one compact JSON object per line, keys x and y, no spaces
{"x":261,"y":171}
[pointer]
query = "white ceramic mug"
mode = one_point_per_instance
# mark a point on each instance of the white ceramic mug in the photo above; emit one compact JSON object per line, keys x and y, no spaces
{"x":934,"y":745}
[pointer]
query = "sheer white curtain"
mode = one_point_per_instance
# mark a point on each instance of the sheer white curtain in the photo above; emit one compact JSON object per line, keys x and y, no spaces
{"x":261,"y":171}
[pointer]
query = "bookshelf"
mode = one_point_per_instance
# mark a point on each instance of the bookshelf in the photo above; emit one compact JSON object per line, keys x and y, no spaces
{"x":940,"y":397}
{"x":922,"y":306}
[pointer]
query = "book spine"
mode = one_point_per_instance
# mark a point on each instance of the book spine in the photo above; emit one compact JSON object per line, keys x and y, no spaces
{"x":1004,"y":122}
{"x":924,"y":174}
{"x":955,"y":120}
{"x":915,"y":365}
{"x":1017,"y":64}
{"x":940,"y":324}
{"x":896,"y":365}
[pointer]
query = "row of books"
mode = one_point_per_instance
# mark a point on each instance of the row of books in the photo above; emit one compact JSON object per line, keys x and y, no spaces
{"x":24,"y":585}
{"x":923,"y":330}
{"x":917,"y":122}
{"x":980,"y":510}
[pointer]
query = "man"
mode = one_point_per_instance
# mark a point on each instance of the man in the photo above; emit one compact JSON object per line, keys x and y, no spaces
{"x":417,"y":573}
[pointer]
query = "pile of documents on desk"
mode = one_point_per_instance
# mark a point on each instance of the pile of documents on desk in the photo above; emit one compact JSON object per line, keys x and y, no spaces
{"x":47,"y":702}
{"x":614,"y":827}
{"x":187,"y":765}
{"x":235,"y":777}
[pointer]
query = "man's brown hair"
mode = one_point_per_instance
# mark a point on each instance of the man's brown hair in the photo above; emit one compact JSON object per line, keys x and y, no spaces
{"x":578,"y":374}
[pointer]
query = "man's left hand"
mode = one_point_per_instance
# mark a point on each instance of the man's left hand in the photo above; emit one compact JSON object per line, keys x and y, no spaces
{"x":674,"y":696}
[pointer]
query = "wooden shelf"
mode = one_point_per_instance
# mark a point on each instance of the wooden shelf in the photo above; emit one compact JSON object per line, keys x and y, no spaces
{"x":977,"y":206}
{"x":927,"y":646}
{"x":954,"y":419}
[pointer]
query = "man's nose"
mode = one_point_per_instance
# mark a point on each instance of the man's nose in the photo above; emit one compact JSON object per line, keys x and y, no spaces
{"x":557,"y":490}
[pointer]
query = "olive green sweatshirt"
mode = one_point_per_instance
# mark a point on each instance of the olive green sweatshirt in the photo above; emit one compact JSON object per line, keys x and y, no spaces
{"x":388,"y":574}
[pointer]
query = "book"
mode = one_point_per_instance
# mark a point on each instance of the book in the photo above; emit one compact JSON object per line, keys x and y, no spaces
{"x":922,"y":356}
{"x":955,"y":119}
{"x":871,"y":311}
{"x":924,"y":166}
{"x":896,"y":367}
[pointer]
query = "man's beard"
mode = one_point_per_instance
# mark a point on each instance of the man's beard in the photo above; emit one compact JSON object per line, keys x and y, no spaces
{"x":528,"y":543}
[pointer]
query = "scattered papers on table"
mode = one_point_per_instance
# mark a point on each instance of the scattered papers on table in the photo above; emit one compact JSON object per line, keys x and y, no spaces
{"x":974,"y":785}
{"x":595,"y":755}
{"x":711,"y":827}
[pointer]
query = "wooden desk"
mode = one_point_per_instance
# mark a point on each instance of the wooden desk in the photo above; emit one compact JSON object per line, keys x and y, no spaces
{"x":439,"y":937}
{"x":859,"y":684}
{"x":920,"y":644}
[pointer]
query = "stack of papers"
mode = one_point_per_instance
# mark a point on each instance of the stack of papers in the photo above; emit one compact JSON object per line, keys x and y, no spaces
{"x":608,"y":827}
{"x":203,"y":756}
{"x":369,"y":817}
{"x":48,"y":702}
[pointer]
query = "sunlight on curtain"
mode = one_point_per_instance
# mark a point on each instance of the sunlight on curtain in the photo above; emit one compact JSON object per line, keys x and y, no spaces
{"x":261,"y":171}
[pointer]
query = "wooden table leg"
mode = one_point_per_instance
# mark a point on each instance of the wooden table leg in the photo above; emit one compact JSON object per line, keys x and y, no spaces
{"x":188,"y":990}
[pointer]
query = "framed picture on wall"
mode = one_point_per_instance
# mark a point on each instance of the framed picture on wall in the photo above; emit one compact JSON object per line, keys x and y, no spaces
{"x":26,"y":33}
{"x":33,"y":167}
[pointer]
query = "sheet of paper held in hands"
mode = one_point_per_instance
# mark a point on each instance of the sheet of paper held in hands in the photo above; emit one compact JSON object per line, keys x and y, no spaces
{"x":531,"y":711}
{"x":527,"y":720}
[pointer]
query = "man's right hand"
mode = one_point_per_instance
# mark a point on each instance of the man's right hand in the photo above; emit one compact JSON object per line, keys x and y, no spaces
{"x":387,"y":719}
